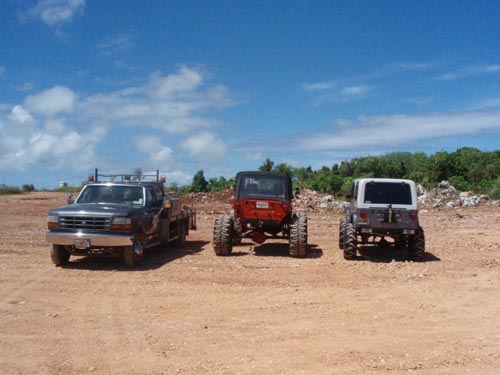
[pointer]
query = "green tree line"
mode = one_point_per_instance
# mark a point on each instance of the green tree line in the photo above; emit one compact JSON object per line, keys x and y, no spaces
{"x":468,"y":169}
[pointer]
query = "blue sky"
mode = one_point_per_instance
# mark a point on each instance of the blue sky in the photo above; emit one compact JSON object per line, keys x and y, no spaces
{"x":181,"y":86}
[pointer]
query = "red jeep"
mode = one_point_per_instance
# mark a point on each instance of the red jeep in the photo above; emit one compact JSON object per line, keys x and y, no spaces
{"x":261,"y":209}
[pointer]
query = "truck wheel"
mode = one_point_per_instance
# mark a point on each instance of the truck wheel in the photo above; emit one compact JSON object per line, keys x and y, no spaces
{"x":181,"y":239}
{"x":350,"y":242}
{"x":298,"y":237}
{"x":59,"y":255}
{"x":132,"y":255}
{"x":341,"y":233}
{"x":223,"y":242}
{"x":416,"y":245}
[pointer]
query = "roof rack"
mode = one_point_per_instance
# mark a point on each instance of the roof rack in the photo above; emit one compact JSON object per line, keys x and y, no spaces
{"x":99,"y":177}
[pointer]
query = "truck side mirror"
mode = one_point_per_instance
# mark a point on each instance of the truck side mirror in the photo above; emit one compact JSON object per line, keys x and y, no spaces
{"x":69,"y":198}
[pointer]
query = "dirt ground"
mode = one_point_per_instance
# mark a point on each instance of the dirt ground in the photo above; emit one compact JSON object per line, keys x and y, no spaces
{"x":186,"y":311}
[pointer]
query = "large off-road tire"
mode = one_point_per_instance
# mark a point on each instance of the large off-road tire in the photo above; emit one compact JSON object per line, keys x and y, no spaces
{"x":416,"y":245}
{"x":298,"y":237}
{"x":132,"y":255}
{"x":341,"y":233}
{"x":236,"y":239}
{"x":59,"y":255}
{"x":350,"y":242}
{"x":223,"y":241}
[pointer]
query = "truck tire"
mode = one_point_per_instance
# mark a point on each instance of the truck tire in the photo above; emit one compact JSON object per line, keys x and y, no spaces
{"x":416,"y":245}
{"x":350,"y":242}
{"x":132,"y":255}
{"x":341,"y":233}
{"x":59,"y":255}
{"x":298,"y":237}
{"x":181,"y":239}
{"x":223,"y":241}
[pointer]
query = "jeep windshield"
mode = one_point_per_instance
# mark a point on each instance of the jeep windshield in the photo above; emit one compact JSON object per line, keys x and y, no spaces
{"x":112,"y":194}
{"x":267,"y":187}
{"x":387,"y":193}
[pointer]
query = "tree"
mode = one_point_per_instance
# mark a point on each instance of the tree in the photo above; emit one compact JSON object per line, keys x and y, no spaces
{"x":137,"y":174}
{"x":267,"y":166}
{"x":199,"y":183}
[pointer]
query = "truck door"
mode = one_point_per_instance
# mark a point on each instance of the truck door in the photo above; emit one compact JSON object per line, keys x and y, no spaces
{"x":154,"y":204}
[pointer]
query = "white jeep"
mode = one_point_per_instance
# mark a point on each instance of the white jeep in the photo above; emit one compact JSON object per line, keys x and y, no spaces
{"x":382,"y":208}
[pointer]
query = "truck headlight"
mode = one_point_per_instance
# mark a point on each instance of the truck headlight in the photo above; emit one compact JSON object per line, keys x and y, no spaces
{"x":121,"y":223}
{"x":53,"y":222}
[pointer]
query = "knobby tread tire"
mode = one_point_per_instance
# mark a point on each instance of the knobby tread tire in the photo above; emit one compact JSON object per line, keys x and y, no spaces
{"x":416,"y":245}
{"x":350,"y":242}
{"x":222,"y":241}
{"x":298,"y":237}
{"x":341,"y":233}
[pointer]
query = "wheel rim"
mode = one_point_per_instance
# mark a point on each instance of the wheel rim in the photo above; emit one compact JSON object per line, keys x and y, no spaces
{"x":138,"y":248}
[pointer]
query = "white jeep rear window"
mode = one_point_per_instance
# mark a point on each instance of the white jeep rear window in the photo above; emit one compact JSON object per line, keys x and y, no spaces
{"x":387,"y":193}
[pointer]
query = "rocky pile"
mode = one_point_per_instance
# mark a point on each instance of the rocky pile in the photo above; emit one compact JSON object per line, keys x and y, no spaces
{"x":446,"y":196}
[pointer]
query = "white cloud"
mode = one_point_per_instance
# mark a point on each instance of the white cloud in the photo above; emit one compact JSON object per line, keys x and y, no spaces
{"x":373,"y":132}
{"x":52,"y":102}
{"x":56,"y":12}
{"x":20,"y":115}
{"x":58,"y":128}
{"x":205,"y":146}
{"x":469,"y":71}
{"x":157,"y":152}
{"x":185,"y":80}
{"x":355,"y":90}
{"x":24,"y":145}
{"x":117,"y":43}
{"x":319,"y":86}
{"x":170,"y":103}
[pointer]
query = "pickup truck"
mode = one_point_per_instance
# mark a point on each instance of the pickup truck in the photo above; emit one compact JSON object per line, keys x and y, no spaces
{"x":119,"y":219}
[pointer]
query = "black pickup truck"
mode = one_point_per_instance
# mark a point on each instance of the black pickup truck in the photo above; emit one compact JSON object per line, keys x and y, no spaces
{"x":117,"y":218}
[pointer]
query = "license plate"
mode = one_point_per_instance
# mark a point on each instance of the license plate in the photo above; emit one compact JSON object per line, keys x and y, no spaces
{"x":262,"y":204}
{"x":82,"y":244}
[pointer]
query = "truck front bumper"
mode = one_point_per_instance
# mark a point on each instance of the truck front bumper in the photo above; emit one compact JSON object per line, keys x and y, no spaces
{"x":94,"y":239}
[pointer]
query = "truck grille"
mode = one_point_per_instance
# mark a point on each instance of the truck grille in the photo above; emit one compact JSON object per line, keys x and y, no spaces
{"x":85,"y":222}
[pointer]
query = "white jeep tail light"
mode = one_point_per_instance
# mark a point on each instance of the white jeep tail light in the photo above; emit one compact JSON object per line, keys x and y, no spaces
{"x":363,"y":217}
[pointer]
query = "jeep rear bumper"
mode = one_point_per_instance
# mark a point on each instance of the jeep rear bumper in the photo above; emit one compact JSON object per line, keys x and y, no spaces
{"x":386,"y":231}
{"x":94,"y":239}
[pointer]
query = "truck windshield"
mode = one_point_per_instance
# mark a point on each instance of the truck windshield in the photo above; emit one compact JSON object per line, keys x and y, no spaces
{"x":387,"y":193}
{"x":114,"y":194}
{"x":262,"y":186}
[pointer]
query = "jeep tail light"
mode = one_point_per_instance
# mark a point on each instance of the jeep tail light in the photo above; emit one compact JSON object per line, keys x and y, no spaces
{"x":53,"y":222}
{"x":363,"y":217}
{"x":413,"y":215}
{"x":121,"y":223}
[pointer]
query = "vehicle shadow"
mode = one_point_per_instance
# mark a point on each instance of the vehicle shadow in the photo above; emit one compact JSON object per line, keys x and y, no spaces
{"x":153,"y":258}
{"x":282,"y":250}
{"x":387,"y":254}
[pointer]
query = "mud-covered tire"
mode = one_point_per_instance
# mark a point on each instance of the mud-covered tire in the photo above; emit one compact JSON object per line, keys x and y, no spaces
{"x":298,"y":237}
{"x":341,"y":234}
{"x":223,"y":241}
{"x":350,"y":242}
{"x":416,"y":245}
{"x":132,"y":255}
{"x":59,"y":255}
